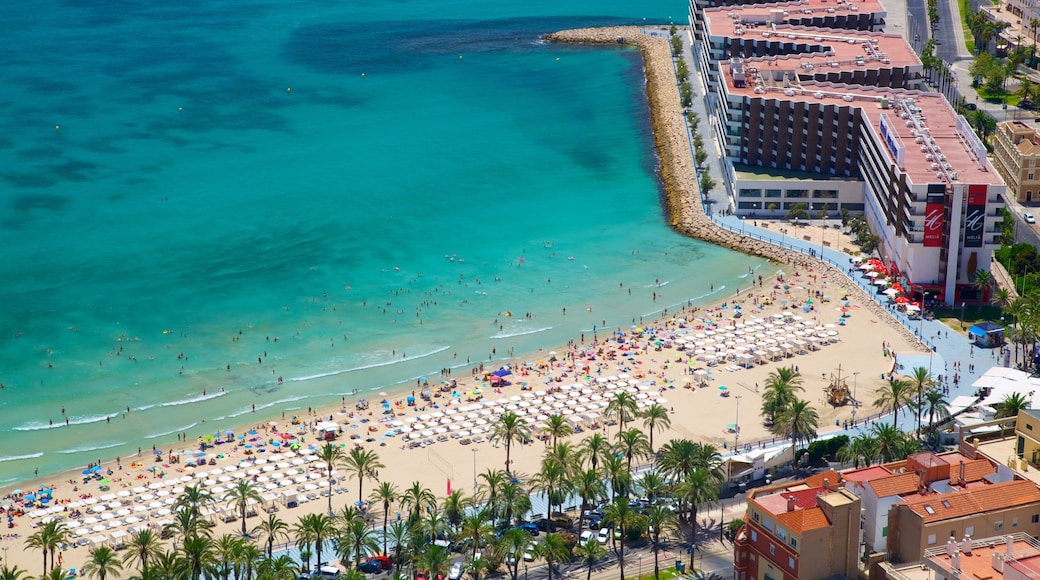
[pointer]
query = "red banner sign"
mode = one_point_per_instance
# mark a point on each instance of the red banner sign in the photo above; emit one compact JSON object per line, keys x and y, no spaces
{"x":933,"y":225}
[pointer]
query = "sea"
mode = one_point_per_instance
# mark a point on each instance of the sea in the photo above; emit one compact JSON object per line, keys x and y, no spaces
{"x":216,"y":212}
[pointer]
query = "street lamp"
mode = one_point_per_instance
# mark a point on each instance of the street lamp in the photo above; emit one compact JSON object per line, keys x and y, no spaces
{"x":525,"y":570}
{"x":962,"y":316}
{"x":855,"y":401}
{"x":474,"y":470}
{"x":640,"y":567}
{"x":736,"y":432}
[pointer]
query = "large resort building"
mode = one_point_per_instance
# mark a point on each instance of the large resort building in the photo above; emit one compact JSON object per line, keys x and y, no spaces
{"x":812,"y":91}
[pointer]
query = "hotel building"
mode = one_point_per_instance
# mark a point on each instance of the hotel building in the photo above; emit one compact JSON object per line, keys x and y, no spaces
{"x":790,"y":90}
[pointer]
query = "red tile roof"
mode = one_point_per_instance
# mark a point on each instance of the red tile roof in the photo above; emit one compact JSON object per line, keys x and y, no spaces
{"x":939,"y":507}
{"x":866,"y":474}
{"x":801,"y":520}
{"x":974,"y":470}
{"x":895,"y":484}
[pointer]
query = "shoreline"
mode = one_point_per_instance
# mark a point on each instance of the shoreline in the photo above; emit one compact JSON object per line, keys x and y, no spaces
{"x":685,"y":216}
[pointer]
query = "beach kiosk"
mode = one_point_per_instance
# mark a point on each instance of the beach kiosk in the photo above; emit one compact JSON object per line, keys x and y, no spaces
{"x":327,"y":430}
{"x":987,"y":335}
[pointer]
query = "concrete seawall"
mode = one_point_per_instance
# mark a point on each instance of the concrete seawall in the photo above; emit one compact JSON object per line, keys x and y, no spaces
{"x":676,"y":167}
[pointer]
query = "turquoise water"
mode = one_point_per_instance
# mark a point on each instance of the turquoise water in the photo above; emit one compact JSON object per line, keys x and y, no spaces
{"x":319,"y":191}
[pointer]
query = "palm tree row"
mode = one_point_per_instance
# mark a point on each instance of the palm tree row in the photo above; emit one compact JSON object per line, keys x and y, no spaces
{"x":789,"y":416}
{"x":597,"y":470}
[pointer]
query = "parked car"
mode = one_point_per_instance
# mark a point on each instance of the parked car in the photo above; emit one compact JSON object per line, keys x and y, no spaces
{"x":529,"y":527}
{"x":370,"y":566}
{"x":543,"y":525}
{"x":456,"y":571}
{"x":529,"y":555}
{"x":384,"y":561}
{"x":1029,"y":218}
{"x":603,"y":536}
{"x":562,"y":520}
{"x":586,"y":536}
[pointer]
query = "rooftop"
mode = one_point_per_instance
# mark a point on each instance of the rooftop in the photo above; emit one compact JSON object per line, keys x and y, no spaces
{"x":785,"y":11}
{"x":923,"y":136}
{"x":744,"y":171}
{"x":901,"y":484}
{"x":985,"y":498}
{"x":979,"y":565}
{"x":866,"y":474}
{"x":825,"y":49}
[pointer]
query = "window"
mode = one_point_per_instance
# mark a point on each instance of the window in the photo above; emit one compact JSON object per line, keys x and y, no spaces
{"x":945,"y":503}
{"x":754,"y":516}
{"x":931,"y":539}
{"x":929,"y":510}
{"x":790,"y":562}
{"x":781,"y":533}
{"x":772,"y":193}
{"x":998,"y":526}
{"x":754,"y":536}
{"x":772,"y":549}
{"x":884,"y":532}
{"x":1014,"y":523}
{"x":1036,"y":519}
{"x":794,"y":542}
{"x":1029,"y":426}
{"x":968,"y":531}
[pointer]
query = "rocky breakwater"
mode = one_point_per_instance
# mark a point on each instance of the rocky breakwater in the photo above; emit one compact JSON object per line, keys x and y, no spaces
{"x":676,"y":167}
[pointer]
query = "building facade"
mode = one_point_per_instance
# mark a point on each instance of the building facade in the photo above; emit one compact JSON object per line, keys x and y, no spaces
{"x":1016,"y":156}
{"x":803,"y":531}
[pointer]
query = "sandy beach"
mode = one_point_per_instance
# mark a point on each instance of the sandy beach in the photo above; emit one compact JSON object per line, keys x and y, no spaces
{"x":803,"y":310}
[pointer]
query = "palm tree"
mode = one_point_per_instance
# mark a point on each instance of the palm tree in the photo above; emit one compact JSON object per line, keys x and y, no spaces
{"x":862,"y":447}
{"x":193,"y":499}
{"x":623,"y":517}
{"x":13,"y":573}
{"x":363,"y":463}
{"x":781,"y":386}
{"x":799,"y":422}
{"x":699,"y":488}
{"x":515,"y":501}
{"x":589,"y":553}
{"x":491,"y":482}
{"x":454,"y":507}
{"x":386,"y":493}
{"x":890,"y":442}
{"x":594,"y":447}
{"x":1011,"y":405}
{"x":331,"y":455}
{"x":515,"y":541}
{"x":281,"y":568}
{"x":510,"y":428}
{"x":239,"y":497}
{"x":553,"y":549}
{"x":416,"y":498}
{"x":167,"y":564}
{"x":622,"y":407}
{"x":632,"y":443}
{"x":550,"y":479}
{"x":144,"y":545}
{"x":564,"y":452}
{"x":102,"y":562}
{"x":314,"y":529}
{"x":56,"y":574}
{"x":188,"y":522}
{"x":226,"y":549}
{"x":556,"y":426}
{"x":354,"y":540}
{"x":655,"y":418}
{"x":921,"y":381}
{"x":434,"y":561}
{"x":246,"y":557}
{"x":589,"y":486}
{"x":47,"y":539}
{"x":271,"y":529}
{"x":400,"y":533}
{"x":894,"y":394}
{"x":617,"y":472}
{"x":478,"y":528}
{"x":198,"y":555}
{"x":936,"y":405}
{"x":658,"y":519}
{"x":981,"y":282}
{"x":653,"y":485}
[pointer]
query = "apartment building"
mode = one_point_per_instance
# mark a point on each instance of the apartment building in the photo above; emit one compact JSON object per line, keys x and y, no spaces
{"x":1016,"y":155}
{"x":787,"y":95}
{"x":1004,"y":557}
{"x":808,"y":530}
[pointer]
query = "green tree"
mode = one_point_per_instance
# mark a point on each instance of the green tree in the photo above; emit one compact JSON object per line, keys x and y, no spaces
{"x":921,"y":381}
{"x":632,"y":444}
{"x":271,"y":529}
{"x":356,"y":539}
{"x":144,"y":545}
{"x":416,"y":498}
{"x":780,"y":388}
{"x":1010,"y":406}
{"x":554,"y":550}
{"x":515,"y":541}
{"x":655,"y":418}
{"x":364,"y":463}
{"x":240,"y":496}
{"x":589,"y":553}
{"x":594,"y":447}
{"x":510,"y":428}
{"x":454,"y":507}
{"x":622,"y":407}
{"x":13,"y":573}
{"x":47,"y":538}
{"x":894,"y":394}
{"x":102,"y":562}
{"x":981,"y":281}
{"x":386,"y":494}
{"x":659,"y":519}
{"x":699,"y":488}
{"x":332,"y":456}
{"x":198,"y":555}
{"x":623,"y":517}
{"x":936,"y":407}
{"x":314,"y":529}
{"x":556,"y":426}
{"x":434,"y":561}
